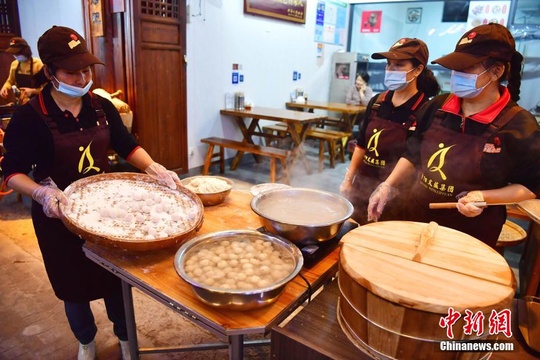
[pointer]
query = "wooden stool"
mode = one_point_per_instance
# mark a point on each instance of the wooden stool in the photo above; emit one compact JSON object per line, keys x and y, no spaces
{"x":511,"y":234}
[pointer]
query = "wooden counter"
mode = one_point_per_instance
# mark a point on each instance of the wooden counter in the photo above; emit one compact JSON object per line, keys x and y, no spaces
{"x":315,"y":334}
{"x":153,"y":273}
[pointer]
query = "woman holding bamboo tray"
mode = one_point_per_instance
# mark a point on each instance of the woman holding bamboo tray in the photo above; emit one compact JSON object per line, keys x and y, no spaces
{"x":64,"y":135}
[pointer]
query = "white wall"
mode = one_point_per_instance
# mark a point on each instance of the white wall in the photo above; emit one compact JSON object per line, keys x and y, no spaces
{"x":37,"y":16}
{"x":269,"y":51}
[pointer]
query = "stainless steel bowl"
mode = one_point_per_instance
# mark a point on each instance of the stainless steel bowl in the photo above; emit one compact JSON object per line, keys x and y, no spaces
{"x":210,"y":199}
{"x":237,"y":299}
{"x":302,"y":215}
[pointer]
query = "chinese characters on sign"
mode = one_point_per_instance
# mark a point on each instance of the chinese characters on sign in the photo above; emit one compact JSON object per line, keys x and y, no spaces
{"x":290,"y":10}
{"x":498,"y":322}
{"x":96,"y":18}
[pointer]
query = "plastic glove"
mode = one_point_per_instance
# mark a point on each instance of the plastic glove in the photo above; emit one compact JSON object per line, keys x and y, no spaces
{"x":162,"y":175}
{"x":346,"y":185}
{"x":378,"y":199}
{"x":50,"y":196}
{"x":465,"y":207}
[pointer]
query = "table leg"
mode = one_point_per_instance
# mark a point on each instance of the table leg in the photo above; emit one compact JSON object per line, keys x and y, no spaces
{"x":298,"y":139}
{"x":247,"y":132}
{"x":130,"y":320}
{"x":236,"y":347}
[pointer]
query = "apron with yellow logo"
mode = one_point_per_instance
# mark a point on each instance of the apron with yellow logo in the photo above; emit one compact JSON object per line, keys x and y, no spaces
{"x":77,"y":154}
{"x":385,"y":145}
{"x":451,"y":164}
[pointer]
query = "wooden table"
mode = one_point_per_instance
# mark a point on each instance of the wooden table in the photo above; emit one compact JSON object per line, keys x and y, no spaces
{"x":315,"y":334}
{"x":348,"y":112}
{"x":298,"y":123}
{"x":153,"y":273}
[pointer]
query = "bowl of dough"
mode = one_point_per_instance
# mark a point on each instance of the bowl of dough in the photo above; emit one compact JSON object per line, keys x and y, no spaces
{"x":302,"y":216}
{"x":212,"y":190}
{"x":238,"y":269}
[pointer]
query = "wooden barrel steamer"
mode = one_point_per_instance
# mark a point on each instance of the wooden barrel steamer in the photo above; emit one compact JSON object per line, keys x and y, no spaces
{"x":394,"y":289}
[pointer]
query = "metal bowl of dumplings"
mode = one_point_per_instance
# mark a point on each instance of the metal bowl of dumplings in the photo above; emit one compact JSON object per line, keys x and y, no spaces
{"x":238,"y":269}
{"x":302,"y":215}
{"x":212,"y":190}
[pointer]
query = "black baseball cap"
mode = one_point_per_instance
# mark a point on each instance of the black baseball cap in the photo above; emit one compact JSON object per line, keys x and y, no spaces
{"x":16,"y":45}
{"x":406,"y":48}
{"x":478,"y":44}
{"x":66,"y":49}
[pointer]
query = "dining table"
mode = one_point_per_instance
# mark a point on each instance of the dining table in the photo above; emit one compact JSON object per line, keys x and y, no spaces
{"x":298,"y":123}
{"x":348,"y":112}
{"x":154,"y":274}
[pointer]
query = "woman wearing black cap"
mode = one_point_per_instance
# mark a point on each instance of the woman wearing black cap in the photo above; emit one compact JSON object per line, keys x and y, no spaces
{"x":46,"y":135}
{"x":22,"y":70}
{"x":389,"y":121}
{"x":475,"y":144}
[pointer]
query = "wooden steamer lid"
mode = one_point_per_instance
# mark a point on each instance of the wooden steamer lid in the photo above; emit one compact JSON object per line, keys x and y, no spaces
{"x":395,"y":289}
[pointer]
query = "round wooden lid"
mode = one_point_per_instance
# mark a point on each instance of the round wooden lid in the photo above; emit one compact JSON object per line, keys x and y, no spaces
{"x":447,"y":269}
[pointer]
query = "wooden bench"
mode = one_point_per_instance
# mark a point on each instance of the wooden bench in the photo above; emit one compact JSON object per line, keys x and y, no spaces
{"x":335,"y":141}
{"x":221,"y":143}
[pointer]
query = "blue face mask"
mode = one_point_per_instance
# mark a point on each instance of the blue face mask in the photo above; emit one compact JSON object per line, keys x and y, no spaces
{"x":70,"y":90}
{"x":396,"y":80}
{"x":463,"y":85}
{"x":20,"y":58}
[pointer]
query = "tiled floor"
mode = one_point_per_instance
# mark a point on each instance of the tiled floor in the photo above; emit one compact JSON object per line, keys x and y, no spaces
{"x":33,"y":324}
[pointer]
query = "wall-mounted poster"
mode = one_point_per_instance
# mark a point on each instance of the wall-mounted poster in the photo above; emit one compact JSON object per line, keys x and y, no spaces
{"x":284,"y":10}
{"x":414,"y":16}
{"x":371,"y":21}
{"x":485,"y":12}
{"x":331,"y":21}
{"x":343,"y":70}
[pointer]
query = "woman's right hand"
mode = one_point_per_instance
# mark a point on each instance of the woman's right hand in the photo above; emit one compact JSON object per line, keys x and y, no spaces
{"x":50,"y":198}
{"x":4,"y":92}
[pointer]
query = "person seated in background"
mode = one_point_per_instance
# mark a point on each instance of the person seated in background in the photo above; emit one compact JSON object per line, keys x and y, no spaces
{"x":22,"y":71}
{"x":360,"y":93}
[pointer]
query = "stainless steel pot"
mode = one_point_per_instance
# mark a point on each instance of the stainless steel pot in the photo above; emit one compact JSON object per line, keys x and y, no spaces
{"x":237,"y":299}
{"x":302,"y":215}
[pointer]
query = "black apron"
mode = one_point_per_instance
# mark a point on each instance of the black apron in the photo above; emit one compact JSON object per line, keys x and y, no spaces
{"x":385,"y":145}
{"x":79,"y":154}
{"x":451,"y":164}
{"x":25,"y":80}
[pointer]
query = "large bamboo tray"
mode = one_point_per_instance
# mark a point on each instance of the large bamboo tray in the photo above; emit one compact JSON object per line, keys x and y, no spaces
{"x":186,"y":200}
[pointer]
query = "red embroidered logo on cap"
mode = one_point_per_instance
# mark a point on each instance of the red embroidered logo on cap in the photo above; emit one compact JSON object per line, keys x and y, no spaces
{"x":74,"y":41}
{"x":472,"y":35}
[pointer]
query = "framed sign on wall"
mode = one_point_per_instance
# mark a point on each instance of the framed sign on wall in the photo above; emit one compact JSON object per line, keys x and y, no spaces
{"x":294,"y":11}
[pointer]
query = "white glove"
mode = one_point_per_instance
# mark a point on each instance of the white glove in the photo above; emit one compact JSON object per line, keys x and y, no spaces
{"x":465,"y":207}
{"x":162,"y":175}
{"x":378,"y":199}
{"x":50,"y":196}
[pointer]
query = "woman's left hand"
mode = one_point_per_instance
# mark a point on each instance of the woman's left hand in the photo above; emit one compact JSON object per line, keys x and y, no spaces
{"x":465,"y":206}
{"x":163,"y":176}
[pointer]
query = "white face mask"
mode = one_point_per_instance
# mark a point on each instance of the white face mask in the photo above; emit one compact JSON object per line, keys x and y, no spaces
{"x":20,"y":58}
{"x":463,"y":85}
{"x":70,"y":90}
{"x":396,"y":79}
